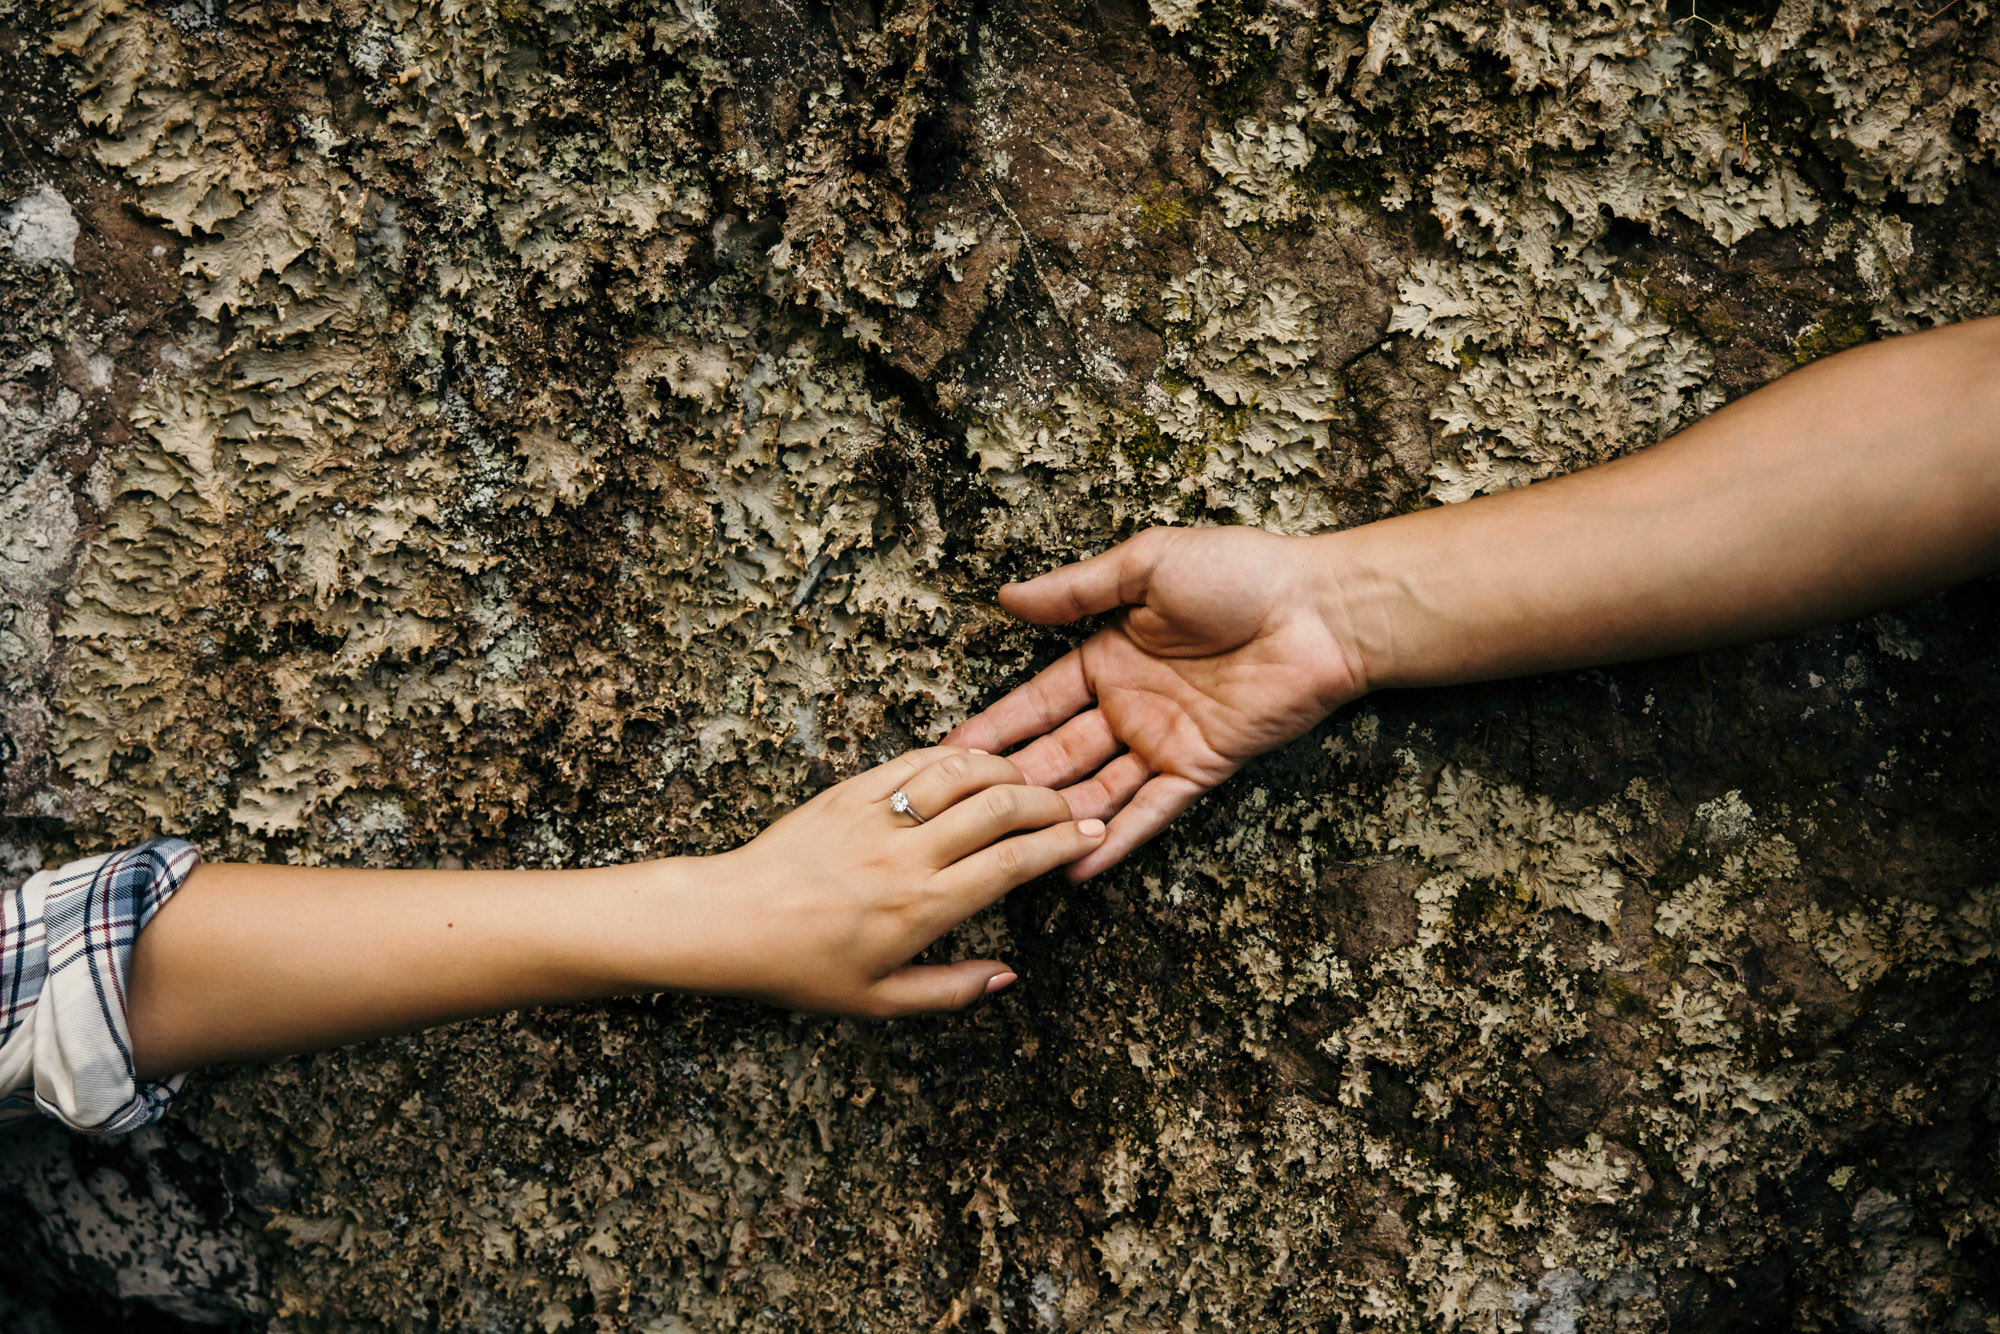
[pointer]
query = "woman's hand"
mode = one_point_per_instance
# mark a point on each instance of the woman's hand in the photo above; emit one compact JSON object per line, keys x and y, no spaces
{"x":1227,"y":648}
{"x":824,"y":910}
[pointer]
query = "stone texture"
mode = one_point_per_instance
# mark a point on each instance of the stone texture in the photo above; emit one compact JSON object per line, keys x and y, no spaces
{"x":552,"y":433}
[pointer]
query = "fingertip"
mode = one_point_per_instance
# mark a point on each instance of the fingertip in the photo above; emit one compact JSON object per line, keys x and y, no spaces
{"x":1000,"y":982}
{"x":1092,"y":828}
{"x":1090,"y":864}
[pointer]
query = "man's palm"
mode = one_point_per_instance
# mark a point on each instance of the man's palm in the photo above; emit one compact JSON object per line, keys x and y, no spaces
{"x":1220,"y":655}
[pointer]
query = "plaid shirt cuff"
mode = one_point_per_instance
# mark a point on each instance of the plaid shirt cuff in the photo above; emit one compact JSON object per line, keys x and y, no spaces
{"x":66,"y":940}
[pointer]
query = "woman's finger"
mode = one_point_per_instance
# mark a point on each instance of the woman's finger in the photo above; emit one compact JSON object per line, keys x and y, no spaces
{"x":1080,"y":746}
{"x":877,"y":783}
{"x":955,"y":775}
{"x":1149,"y":811}
{"x":1105,"y":792}
{"x":1053,"y":694}
{"x":989,"y":814}
{"x":988,"y":874}
{"x":918,"y":988}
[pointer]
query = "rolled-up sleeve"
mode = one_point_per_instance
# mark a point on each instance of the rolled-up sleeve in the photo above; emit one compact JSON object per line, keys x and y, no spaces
{"x":66,"y":940}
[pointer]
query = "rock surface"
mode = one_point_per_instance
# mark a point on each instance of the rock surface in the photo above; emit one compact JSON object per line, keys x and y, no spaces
{"x":516,"y":433}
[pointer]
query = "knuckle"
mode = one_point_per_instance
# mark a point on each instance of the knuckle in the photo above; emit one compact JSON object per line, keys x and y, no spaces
{"x":956,"y":767}
{"x":1002,"y":802}
{"x":1047,"y":806}
{"x":1010,"y":857}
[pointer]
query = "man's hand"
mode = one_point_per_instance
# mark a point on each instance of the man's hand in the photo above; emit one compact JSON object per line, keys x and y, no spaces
{"x":1227,"y":647}
{"x":1864,"y":479}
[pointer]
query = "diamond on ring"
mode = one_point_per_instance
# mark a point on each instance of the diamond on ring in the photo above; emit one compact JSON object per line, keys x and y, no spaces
{"x":900,"y":804}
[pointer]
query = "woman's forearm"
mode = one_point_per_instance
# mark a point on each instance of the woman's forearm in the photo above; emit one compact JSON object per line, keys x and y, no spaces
{"x":253,"y":961}
{"x":822,"y":911}
{"x":1857,"y":482}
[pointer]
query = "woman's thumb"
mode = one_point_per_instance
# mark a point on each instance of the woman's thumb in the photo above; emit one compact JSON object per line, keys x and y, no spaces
{"x":916,"y":988}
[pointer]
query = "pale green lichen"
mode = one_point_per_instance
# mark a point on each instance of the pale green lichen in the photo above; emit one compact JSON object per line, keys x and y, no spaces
{"x":587,"y":428}
{"x":1260,"y":165}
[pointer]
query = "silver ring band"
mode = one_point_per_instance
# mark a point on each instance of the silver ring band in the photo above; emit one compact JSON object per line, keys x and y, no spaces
{"x":900,"y":804}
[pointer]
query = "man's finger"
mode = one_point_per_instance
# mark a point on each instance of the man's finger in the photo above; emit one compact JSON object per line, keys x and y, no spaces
{"x":1113,"y":579}
{"x":1149,"y":811}
{"x":1057,"y":691}
{"x":917,"y":988}
{"x":1105,"y":792}
{"x":1080,"y":746}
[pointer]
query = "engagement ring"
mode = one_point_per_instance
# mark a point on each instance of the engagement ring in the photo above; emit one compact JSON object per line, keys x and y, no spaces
{"x":900,"y":804}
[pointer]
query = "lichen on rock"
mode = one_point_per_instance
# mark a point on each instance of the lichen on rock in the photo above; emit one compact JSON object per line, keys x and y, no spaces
{"x":537,"y":434}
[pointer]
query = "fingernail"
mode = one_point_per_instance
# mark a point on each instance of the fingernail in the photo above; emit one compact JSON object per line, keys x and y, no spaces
{"x":977,"y":751}
{"x":999,"y":981}
{"x":1090,"y":828}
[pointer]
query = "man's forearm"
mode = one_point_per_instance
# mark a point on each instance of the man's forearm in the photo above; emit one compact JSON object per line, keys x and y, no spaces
{"x":251,"y":961}
{"x":1862,"y":480}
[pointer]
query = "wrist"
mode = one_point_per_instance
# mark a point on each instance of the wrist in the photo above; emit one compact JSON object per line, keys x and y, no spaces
{"x":663,"y":936}
{"x":1354,"y":595}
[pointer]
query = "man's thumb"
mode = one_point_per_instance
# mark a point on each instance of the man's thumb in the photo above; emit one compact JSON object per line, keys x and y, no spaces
{"x":1103,"y":583}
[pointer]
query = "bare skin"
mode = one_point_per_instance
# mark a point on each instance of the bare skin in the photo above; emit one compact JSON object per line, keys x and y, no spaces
{"x":822,"y":911}
{"x":1856,"y":483}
